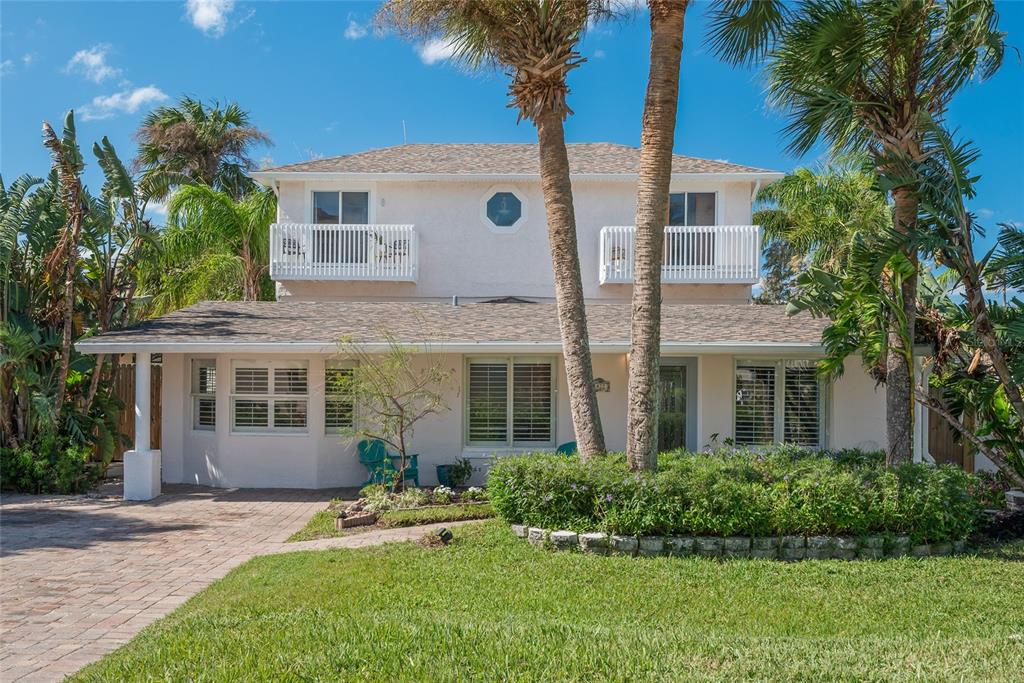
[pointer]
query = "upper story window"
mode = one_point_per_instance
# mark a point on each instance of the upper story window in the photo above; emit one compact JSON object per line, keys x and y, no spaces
{"x":348,"y":245}
{"x":350,"y":208}
{"x":503,"y":209}
{"x":691,"y":208}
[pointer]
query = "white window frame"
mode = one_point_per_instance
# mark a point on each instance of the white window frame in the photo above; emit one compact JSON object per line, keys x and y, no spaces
{"x":270,"y":397}
{"x":779,"y":420}
{"x":328,"y":397}
{"x":718,"y":204}
{"x":194,"y":365}
{"x":509,"y":441}
{"x":507,"y":229}
{"x":369,"y":189}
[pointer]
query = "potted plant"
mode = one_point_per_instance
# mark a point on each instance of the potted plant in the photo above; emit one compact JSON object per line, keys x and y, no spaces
{"x":455,"y":474}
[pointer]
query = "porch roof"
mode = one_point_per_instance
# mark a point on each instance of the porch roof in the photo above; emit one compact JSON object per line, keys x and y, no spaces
{"x":316,"y":327}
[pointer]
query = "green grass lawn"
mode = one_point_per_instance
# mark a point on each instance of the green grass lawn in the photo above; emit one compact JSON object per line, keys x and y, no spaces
{"x":489,"y":607}
{"x":429,"y":515}
{"x":321,"y":524}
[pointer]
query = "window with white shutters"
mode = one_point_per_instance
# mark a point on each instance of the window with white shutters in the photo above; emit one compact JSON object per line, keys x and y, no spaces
{"x":510,"y":402}
{"x":204,"y":394}
{"x":755,"y":404}
{"x":802,"y":404}
{"x":269,"y":396}
{"x":338,"y":408}
{"x":531,"y":402}
{"x":778,"y":401}
{"x":487,"y":397}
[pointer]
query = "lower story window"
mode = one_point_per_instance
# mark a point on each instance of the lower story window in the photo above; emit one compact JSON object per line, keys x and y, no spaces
{"x":204,"y":394}
{"x":338,"y":409}
{"x":510,"y":402}
{"x":778,"y":401}
{"x":269,"y":396}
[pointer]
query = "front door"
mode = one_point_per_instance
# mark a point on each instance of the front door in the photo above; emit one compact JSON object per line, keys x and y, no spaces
{"x":672,"y":407}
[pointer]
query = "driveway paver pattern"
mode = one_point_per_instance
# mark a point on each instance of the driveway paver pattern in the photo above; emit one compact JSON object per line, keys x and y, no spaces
{"x":80,"y":576}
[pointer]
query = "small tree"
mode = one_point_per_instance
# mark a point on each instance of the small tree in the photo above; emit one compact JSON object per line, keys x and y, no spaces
{"x":392,"y":390}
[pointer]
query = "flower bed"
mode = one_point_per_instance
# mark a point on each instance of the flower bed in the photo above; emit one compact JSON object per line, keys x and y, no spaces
{"x":784,"y":492}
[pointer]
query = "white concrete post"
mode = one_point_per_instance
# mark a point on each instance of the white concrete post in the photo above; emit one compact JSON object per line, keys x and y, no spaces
{"x":142,"y":465}
{"x":142,"y":401}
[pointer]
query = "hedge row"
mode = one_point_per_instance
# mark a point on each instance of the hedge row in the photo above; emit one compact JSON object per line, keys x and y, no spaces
{"x":783,"y":491}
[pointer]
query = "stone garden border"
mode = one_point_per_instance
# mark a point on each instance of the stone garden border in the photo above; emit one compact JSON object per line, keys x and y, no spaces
{"x":790,"y":548}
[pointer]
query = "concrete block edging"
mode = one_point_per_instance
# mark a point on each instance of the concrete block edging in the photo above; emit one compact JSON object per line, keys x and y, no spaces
{"x":786,"y":548}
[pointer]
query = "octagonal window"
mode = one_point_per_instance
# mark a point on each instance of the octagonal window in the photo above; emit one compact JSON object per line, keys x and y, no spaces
{"x":504,"y":209}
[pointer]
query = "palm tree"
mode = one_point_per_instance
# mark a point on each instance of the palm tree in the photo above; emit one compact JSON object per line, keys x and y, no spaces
{"x":860,"y":75}
{"x":535,"y":40}
{"x":817,"y":213}
{"x":656,"y":141}
{"x":213,"y":248}
{"x":195,"y":143}
{"x":62,"y":261}
{"x":115,"y":240}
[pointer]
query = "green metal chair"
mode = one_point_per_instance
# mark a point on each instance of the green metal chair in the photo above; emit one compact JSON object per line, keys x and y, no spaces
{"x":568,"y":448}
{"x":374,"y":456}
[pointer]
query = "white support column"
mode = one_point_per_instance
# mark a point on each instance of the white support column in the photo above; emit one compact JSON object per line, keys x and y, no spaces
{"x":142,"y":465}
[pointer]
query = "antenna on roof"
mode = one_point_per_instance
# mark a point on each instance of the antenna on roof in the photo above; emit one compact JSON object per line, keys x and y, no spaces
{"x":405,"y":138}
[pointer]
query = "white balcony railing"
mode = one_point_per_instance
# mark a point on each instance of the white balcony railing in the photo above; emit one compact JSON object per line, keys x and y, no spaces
{"x":303,"y":251}
{"x":711,"y":254}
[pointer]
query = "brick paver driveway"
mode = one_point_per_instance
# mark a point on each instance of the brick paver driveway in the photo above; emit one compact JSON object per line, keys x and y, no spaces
{"x":80,"y":576}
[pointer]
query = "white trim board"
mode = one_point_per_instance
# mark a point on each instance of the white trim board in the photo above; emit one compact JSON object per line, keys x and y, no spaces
{"x":318,"y":347}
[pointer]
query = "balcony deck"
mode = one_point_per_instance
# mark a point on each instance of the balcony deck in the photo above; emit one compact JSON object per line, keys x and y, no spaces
{"x":693,"y":254}
{"x":305,"y":251}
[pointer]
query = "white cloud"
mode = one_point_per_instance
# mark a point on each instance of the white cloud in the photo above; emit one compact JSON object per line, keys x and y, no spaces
{"x":210,"y":16}
{"x":92,"y":64}
{"x":28,"y":58}
{"x":599,"y":54}
{"x":156,"y":209}
{"x":124,"y":102}
{"x":355,"y":30}
{"x":6,"y":67}
{"x":986,"y":213}
{"x":434,"y":51}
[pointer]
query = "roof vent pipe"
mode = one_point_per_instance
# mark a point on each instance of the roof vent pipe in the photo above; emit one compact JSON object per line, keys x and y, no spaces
{"x":455,"y":300}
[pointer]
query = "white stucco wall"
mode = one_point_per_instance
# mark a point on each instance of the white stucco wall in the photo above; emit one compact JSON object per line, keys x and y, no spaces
{"x":856,"y":412}
{"x":461,"y":256}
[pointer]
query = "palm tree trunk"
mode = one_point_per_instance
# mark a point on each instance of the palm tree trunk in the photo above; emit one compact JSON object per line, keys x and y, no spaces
{"x":899,"y":364}
{"x":565,"y":262}
{"x":656,"y":141}
{"x":975,"y":295}
{"x":69,"y":312}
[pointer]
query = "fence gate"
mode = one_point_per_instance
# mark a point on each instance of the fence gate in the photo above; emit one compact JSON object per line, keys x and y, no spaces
{"x":125,"y":390}
{"x":942,"y":443}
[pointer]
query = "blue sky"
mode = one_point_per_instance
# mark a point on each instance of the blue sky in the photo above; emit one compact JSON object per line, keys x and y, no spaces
{"x":319,"y":81}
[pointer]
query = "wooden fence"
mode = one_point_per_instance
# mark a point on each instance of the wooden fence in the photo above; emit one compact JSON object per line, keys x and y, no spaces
{"x":125,"y":390}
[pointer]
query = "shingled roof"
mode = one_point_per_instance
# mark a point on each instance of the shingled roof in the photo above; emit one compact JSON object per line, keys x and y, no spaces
{"x":310,"y":326}
{"x":598,"y":158}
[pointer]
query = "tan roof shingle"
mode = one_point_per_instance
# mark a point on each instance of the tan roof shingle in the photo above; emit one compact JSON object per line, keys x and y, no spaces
{"x":322,"y":322}
{"x":500,"y":159}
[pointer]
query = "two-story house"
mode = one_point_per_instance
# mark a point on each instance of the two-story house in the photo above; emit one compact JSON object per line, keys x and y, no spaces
{"x":447,"y":243}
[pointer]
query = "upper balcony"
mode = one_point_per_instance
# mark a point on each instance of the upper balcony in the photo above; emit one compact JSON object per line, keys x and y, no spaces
{"x":306,"y":251}
{"x":693,"y":254}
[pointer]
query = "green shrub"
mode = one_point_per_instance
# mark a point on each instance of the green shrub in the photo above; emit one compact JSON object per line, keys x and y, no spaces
{"x":46,"y":468}
{"x":785,"y":490}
